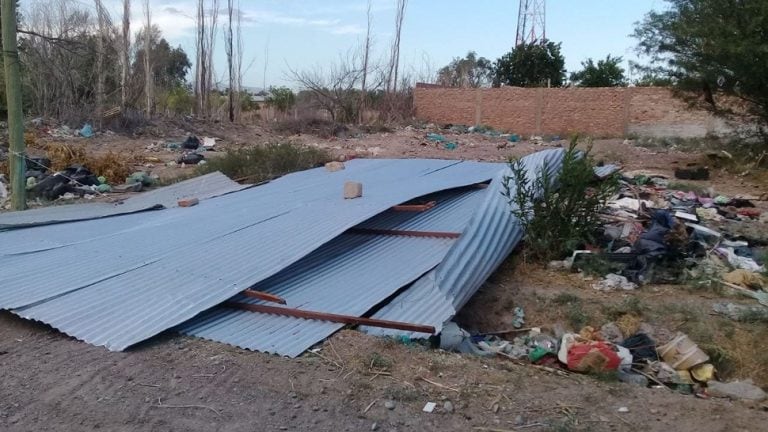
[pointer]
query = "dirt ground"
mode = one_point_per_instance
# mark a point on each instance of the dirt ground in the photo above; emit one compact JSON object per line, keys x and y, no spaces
{"x":51,"y":382}
{"x":175,"y":383}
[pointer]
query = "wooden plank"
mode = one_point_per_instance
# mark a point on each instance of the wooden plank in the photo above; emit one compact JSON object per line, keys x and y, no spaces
{"x":436,"y":234}
{"x":261,"y":295}
{"x":414,"y":207}
{"x":323,"y":316}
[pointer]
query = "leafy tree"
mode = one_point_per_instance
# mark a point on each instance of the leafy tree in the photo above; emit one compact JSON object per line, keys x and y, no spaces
{"x":281,"y":98}
{"x":470,"y":71}
{"x":169,"y":65}
{"x":247,"y":103}
{"x":606,"y":73}
{"x":531,"y":65}
{"x":711,"y":46}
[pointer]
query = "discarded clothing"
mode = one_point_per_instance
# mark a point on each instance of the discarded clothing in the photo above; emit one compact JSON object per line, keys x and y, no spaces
{"x":191,"y":143}
{"x":642,"y":347}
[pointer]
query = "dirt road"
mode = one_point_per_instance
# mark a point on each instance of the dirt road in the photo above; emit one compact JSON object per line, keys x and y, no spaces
{"x":54,"y":383}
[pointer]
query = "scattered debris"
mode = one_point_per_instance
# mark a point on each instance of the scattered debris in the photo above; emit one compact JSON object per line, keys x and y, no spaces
{"x":744,"y":390}
{"x":692,"y":173}
{"x":334,"y":166}
{"x":429,"y":407}
{"x":191,"y":143}
{"x":612,"y":282}
{"x":86,"y":131}
{"x":739,"y":312}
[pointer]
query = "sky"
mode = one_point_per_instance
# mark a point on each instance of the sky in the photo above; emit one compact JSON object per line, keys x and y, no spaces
{"x":279,"y":35}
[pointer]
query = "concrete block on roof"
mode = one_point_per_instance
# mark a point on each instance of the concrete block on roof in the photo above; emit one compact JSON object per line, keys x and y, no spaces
{"x":334,"y":166}
{"x":353,"y":190}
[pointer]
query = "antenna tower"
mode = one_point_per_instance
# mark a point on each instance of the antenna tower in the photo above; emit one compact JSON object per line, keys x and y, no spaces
{"x":531,"y":22}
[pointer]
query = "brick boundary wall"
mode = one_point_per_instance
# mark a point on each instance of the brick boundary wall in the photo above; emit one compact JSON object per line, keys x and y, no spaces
{"x":600,"y":112}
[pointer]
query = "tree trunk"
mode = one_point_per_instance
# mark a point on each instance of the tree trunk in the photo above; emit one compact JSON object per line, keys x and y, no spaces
{"x":125,"y":54}
{"x":100,"y":66}
{"x":229,"y":48}
{"x":147,"y":60}
{"x":366,"y":53}
{"x":200,"y":74}
{"x":18,"y":164}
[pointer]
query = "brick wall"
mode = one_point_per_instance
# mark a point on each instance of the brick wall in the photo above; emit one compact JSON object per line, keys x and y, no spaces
{"x":603,"y":112}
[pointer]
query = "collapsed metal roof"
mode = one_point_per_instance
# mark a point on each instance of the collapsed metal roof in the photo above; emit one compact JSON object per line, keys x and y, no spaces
{"x":120,"y":280}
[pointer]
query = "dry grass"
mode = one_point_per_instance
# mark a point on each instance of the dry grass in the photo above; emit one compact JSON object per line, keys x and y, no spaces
{"x":114,"y":166}
{"x":64,"y":155}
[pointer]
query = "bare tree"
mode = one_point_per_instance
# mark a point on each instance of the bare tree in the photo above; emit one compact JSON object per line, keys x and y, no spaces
{"x":238,"y":61}
{"x":394,"y":61}
{"x":335,"y":89}
{"x":125,"y":60}
{"x":58,"y":60}
{"x":200,"y":56}
{"x":147,"y":56}
{"x":100,"y":74}
{"x":206,"y":21}
{"x":366,"y":54}
{"x":212,"y":24}
{"x":229,"y":47}
{"x":266,"y":63}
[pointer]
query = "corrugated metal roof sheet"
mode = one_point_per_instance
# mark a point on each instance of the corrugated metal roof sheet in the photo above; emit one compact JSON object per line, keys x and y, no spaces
{"x":606,"y":170}
{"x":174,"y":264}
{"x":491,"y":236}
{"x":202,"y":187}
{"x":350,"y":275}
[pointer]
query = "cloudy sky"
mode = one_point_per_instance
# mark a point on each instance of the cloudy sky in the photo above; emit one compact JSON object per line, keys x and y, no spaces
{"x":301,"y":34}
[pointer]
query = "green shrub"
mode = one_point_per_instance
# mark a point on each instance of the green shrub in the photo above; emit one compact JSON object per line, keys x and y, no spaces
{"x":559,"y":212}
{"x":261,"y":163}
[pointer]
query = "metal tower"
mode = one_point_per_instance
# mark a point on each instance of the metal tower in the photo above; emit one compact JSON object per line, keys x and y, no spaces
{"x":531,"y":22}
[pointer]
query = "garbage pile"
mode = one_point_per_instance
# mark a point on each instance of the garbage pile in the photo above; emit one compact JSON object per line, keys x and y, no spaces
{"x":75,"y":181}
{"x":191,"y":150}
{"x":655,"y":234}
{"x":678,"y":364}
{"x":505,"y":139}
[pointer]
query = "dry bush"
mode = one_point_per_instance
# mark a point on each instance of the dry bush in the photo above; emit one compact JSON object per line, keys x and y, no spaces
{"x":65,"y":155}
{"x":261,"y":163}
{"x":114,"y":166}
{"x":315,"y":126}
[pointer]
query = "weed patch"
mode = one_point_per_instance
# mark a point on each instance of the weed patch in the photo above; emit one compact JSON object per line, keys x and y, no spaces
{"x":629,"y":306}
{"x":262,"y":163}
{"x":558,"y":212}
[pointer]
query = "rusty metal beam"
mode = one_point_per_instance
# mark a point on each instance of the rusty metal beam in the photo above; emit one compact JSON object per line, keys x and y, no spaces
{"x":375,"y":231}
{"x":414,"y":207}
{"x":323,"y":316}
{"x":261,"y":295}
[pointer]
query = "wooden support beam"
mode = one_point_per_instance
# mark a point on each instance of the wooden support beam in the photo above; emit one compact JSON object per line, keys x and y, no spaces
{"x":261,"y":295}
{"x":323,"y":316}
{"x":414,"y":207}
{"x":436,"y":234}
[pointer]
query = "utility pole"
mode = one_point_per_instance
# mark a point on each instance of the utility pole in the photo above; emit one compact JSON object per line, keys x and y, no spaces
{"x":18,"y":163}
